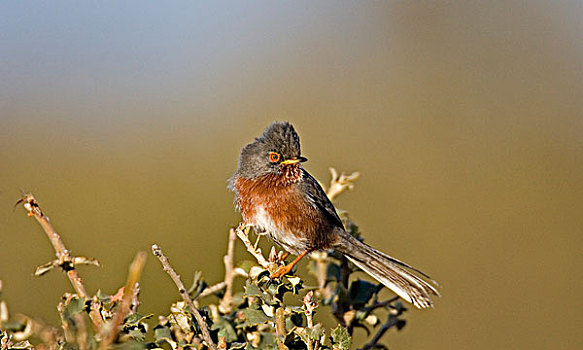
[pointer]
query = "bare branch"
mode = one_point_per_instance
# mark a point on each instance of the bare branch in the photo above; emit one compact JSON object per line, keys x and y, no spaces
{"x":66,"y":262}
{"x":309,"y":306}
{"x":243,"y":234}
{"x":185,"y":296}
{"x":392,"y":321}
{"x":212,"y":289}
{"x":340,"y":183}
{"x":280,"y":328}
{"x":226,"y":302}
{"x":112,"y":330}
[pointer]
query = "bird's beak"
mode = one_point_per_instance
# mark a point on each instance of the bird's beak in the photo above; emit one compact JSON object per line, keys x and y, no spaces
{"x":294,"y":160}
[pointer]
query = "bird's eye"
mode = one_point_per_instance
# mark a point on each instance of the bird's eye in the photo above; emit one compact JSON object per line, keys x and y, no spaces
{"x":274,"y":157}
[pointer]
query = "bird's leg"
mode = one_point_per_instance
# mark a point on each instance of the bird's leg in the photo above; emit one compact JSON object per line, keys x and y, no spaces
{"x":257,"y":241}
{"x":287,"y":268}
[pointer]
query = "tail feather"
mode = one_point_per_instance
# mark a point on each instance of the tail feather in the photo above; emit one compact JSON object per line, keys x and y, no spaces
{"x":391,"y":272}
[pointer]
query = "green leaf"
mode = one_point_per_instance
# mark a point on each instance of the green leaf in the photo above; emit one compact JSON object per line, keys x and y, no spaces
{"x":254,"y":317}
{"x":333,"y":272}
{"x":75,"y":306}
{"x":237,"y":300}
{"x":136,"y":334}
{"x":296,"y":284}
{"x":361,"y":291}
{"x":316,"y":332}
{"x":226,"y":330}
{"x":246,"y":265}
{"x":295,"y":320}
{"x":268,"y":341}
{"x":252,"y":290}
{"x":162,"y":333}
{"x":132,"y":345}
{"x":341,"y":338}
{"x":198,"y":285}
{"x":134,"y":319}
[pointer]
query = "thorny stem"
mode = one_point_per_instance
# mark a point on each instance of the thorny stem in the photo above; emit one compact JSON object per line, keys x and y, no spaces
{"x":63,"y":255}
{"x":185,"y":296}
{"x":112,"y":330}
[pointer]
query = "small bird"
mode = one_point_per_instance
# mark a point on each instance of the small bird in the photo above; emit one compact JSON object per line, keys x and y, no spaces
{"x":277,"y":196}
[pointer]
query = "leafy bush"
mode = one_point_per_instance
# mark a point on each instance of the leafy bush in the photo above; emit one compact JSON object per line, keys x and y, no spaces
{"x":269,"y":313}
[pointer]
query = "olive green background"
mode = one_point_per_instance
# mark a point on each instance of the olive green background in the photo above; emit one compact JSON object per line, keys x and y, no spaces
{"x":464,"y":118}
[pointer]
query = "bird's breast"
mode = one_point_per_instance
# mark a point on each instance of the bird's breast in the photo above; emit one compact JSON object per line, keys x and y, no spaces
{"x":282,"y":211}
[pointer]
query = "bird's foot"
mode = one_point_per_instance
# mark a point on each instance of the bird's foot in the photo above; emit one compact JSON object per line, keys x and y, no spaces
{"x":287,"y":268}
{"x":282,"y":271}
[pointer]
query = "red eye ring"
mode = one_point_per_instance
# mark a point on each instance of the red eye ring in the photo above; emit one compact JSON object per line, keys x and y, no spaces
{"x":274,"y":157}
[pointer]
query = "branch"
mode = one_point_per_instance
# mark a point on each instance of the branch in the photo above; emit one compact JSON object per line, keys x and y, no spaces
{"x":280,"y":331}
{"x":243,"y":234}
{"x":65,"y":261}
{"x":392,"y":321}
{"x":114,"y":327}
{"x":339,"y":184}
{"x":309,"y":306}
{"x":185,"y":296}
{"x":225,"y":305}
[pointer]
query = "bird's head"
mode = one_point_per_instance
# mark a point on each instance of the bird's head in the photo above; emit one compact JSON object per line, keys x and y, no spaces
{"x":277,"y":148}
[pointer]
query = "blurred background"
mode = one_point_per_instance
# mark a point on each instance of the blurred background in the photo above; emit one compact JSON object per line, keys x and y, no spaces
{"x":125,"y":120}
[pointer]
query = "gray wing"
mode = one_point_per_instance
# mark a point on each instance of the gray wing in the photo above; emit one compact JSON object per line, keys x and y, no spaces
{"x":317,"y":197}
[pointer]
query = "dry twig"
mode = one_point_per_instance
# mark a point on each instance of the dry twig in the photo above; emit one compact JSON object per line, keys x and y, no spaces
{"x":64,"y":259}
{"x":243,"y":234}
{"x":110,"y":332}
{"x":280,"y":328}
{"x":392,"y":321}
{"x":225,"y":305}
{"x":340,"y":183}
{"x":185,"y":296}
{"x":310,"y":305}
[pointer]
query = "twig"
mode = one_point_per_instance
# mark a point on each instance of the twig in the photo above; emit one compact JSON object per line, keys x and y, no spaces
{"x":237,"y":271}
{"x":226,"y":302}
{"x":66,"y":262}
{"x":81,"y":331}
{"x":321,"y":271}
{"x":243,"y":234}
{"x":383,"y":303}
{"x":185,"y":296}
{"x":310,"y":305}
{"x":339,"y":184}
{"x":392,"y":320}
{"x":112,"y":330}
{"x":212,"y":289}
{"x":280,"y":331}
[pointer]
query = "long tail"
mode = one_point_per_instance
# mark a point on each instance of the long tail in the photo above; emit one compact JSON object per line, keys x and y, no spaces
{"x":394,"y":274}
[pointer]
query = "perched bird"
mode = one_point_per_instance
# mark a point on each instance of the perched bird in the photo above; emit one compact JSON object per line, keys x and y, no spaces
{"x":277,"y":196}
